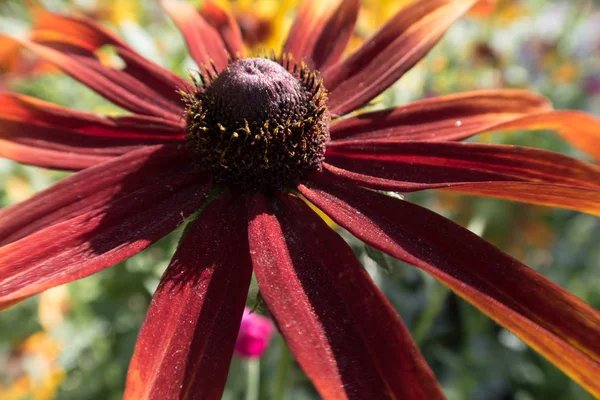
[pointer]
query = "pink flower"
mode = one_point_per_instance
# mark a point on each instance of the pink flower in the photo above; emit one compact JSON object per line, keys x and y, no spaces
{"x":254,"y":335}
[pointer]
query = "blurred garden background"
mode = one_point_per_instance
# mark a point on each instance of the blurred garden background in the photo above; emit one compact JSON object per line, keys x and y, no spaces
{"x":75,"y":341}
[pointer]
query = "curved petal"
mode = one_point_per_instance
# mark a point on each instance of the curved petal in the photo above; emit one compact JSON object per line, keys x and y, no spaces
{"x":89,"y":241}
{"x":120,"y":131}
{"x":350,"y":346}
{"x":321,"y":32}
{"x":337,"y":31}
{"x":66,"y":159}
{"x":310,"y":18}
{"x":384,"y":58}
{"x":90,"y":189}
{"x":554,"y":322}
{"x":460,"y":116}
{"x":58,"y":29}
{"x":224,"y":23}
{"x":576,"y":198}
{"x":431,"y":162}
{"x":46,"y":135}
{"x":569,"y":197}
{"x":203,"y":41}
{"x":186,"y":343}
{"x":113,"y":84}
{"x":409,"y":166}
{"x":579,"y":128}
{"x":441,"y":118}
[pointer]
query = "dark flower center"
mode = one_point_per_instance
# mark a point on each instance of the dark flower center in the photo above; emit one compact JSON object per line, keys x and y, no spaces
{"x":258,"y":123}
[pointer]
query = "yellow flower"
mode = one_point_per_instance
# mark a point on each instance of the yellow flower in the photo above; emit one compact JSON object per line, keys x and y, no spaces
{"x":263,"y":23}
{"x":43,"y":382}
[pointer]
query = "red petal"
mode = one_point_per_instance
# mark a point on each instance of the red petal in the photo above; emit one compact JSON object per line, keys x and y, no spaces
{"x":43,"y":134}
{"x":115,"y":85}
{"x":506,"y":172}
{"x":450,"y":162}
{"x":89,"y":241}
{"x":383,"y":59}
{"x":186,"y":342}
{"x":66,"y":158}
{"x":460,"y":116}
{"x":350,"y":346}
{"x":125,"y":130}
{"x":443,"y":118}
{"x":224,"y":23}
{"x":84,"y":33}
{"x":564,"y":196}
{"x":310,"y":18}
{"x":321,"y":32}
{"x":203,"y":41}
{"x":553,"y":321}
{"x":333,"y":39}
{"x":93,"y":188}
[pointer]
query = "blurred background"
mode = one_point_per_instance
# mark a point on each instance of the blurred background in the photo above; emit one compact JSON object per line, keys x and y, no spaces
{"x":75,"y":341}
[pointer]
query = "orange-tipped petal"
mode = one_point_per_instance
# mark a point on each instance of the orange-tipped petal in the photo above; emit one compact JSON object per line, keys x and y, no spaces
{"x":115,"y":85}
{"x":554,"y":322}
{"x":443,"y":118}
{"x":186,"y":343}
{"x":508,"y":172}
{"x":462,"y":115}
{"x":59,"y":30}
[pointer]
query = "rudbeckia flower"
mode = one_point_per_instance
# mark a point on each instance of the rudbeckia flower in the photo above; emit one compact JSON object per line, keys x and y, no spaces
{"x":240,"y":150}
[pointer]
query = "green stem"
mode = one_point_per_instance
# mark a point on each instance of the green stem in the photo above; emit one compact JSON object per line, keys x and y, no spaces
{"x":283,"y":372}
{"x":435,"y":301}
{"x":253,"y":378}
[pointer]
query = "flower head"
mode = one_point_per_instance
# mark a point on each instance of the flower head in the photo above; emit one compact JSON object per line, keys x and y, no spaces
{"x":269,"y":135}
{"x":254,"y":335}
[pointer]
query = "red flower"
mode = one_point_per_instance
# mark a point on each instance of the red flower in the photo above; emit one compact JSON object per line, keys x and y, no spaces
{"x":138,"y":181}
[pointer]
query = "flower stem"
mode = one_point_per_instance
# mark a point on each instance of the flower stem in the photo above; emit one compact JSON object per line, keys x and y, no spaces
{"x":283,"y":372}
{"x":436,"y":297}
{"x":253,"y":378}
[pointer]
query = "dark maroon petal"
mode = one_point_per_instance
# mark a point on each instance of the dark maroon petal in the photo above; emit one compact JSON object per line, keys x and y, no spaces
{"x":99,"y":238}
{"x":186,"y":342}
{"x":54,"y":29}
{"x":384,"y":58}
{"x":46,"y":135}
{"x":92,"y":189}
{"x":310,"y":18}
{"x":329,"y":35}
{"x":122,"y":131}
{"x":550,"y":319}
{"x":443,"y":118}
{"x":547,"y":194}
{"x":224,"y":23}
{"x":440,"y":162}
{"x":351,"y":346}
{"x":203,"y":41}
